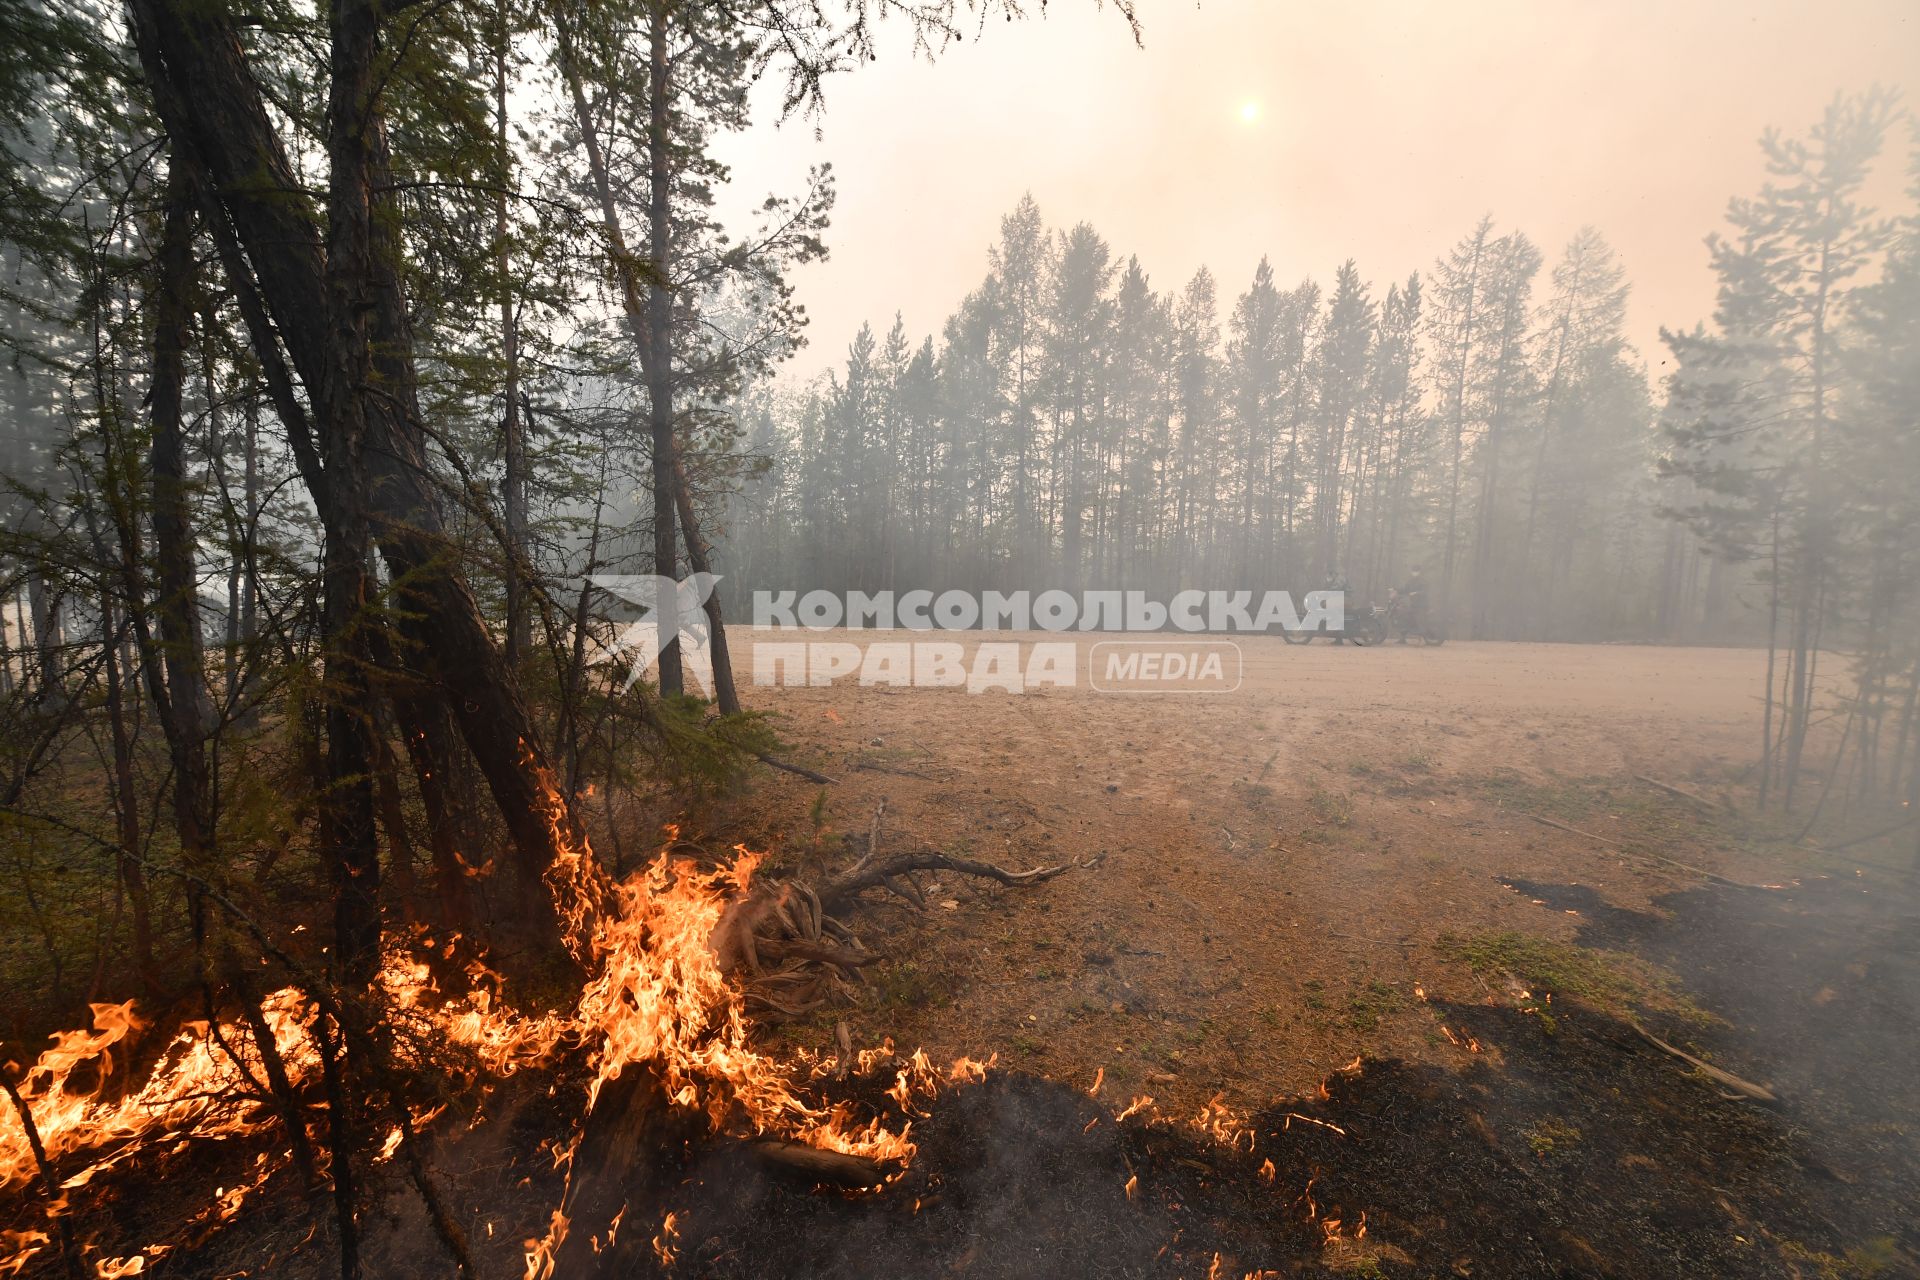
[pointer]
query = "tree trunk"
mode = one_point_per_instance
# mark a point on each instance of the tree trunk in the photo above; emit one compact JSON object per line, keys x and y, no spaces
{"x":432,"y":742}
{"x":649,"y":322}
{"x":513,"y":426}
{"x":45,"y":606}
{"x":186,"y":701}
{"x":659,"y":351}
{"x":697,"y":556}
{"x":215,"y":115}
{"x":126,"y":801}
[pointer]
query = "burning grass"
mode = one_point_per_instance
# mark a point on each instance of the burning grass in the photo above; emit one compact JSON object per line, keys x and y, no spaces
{"x":661,"y":1025}
{"x":1511,"y":1166}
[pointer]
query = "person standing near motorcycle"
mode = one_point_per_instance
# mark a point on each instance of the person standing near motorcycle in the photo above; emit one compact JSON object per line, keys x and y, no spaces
{"x":1337,"y":581}
{"x":1414,"y":597}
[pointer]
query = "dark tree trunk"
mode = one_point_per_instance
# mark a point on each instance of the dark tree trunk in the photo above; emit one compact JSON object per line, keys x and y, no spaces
{"x":432,"y":743}
{"x":45,"y":605}
{"x":649,"y":321}
{"x":185,"y":702}
{"x":351,"y":291}
{"x":214,"y":113}
{"x":126,"y":802}
{"x":697,"y":556}
{"x":513,"y":426}
{"x":659,"y":349}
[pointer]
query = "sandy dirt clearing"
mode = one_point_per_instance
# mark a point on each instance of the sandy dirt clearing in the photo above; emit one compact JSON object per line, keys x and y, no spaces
{"x":1271,"y":866}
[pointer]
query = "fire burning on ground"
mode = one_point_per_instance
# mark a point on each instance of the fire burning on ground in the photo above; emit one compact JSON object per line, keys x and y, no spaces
{"x":658,"y":1054}
{"x":210,"y":1083}
{"x":660,"y":1003}
{"x":660,"y":1006}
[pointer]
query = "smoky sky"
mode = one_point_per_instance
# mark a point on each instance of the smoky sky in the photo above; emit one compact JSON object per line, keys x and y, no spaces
{"x":1313,"y":132}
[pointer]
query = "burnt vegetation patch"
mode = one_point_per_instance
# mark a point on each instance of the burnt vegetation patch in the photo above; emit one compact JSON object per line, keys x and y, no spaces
{"x":1580,"y":1152}
{"x":1576,"y":1151}
{"x":1565,"y":1145}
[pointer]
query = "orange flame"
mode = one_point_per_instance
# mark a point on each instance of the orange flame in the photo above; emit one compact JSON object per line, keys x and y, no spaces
{"x":658,"y":999}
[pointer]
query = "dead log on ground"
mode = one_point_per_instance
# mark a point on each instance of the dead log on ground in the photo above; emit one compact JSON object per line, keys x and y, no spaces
{"x":815,"y":1165}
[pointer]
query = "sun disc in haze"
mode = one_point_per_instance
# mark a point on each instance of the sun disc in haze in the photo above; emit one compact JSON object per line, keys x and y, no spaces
{"x":1249,"y":111}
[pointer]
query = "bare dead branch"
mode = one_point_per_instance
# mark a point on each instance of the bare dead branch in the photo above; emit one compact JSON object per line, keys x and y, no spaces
{"x":1746,"y":1088}
{"x":800,"y":770}
{"x":841,"y":891}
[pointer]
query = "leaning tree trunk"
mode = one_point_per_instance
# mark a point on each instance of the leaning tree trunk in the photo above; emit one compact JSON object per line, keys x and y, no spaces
{"x":280,"y":271}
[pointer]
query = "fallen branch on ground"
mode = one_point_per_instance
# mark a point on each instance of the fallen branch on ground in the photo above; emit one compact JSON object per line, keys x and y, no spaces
{"x":1757,"y":1092}
{"x":1692,"y":797}
{"x":873,"y":767}
{"x":893,"y":872}
{"x":817,"y":1165}
{"x":1558,"y":825}
{"x":800,"y":770}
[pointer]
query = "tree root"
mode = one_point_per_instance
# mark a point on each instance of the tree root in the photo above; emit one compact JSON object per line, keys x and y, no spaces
{"x":791,"y":952}
{"x":895,"y":875}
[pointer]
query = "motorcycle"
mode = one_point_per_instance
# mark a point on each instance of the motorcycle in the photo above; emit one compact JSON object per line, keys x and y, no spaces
{"x":1367,"y":626}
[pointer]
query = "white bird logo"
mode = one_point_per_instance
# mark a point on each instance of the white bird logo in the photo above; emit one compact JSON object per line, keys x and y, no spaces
{"x":667,"y":605}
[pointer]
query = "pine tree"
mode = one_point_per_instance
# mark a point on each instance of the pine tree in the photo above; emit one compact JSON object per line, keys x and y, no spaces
{"x":1196,"y":374}
{"x":1751,"y":408}
{"x":1340,"y":370}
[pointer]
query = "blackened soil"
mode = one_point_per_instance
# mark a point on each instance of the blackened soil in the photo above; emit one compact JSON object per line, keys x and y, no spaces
{"x":1819,"y":983}
{"x":1568,"y":1147}
{"x":1645,"y":1172}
